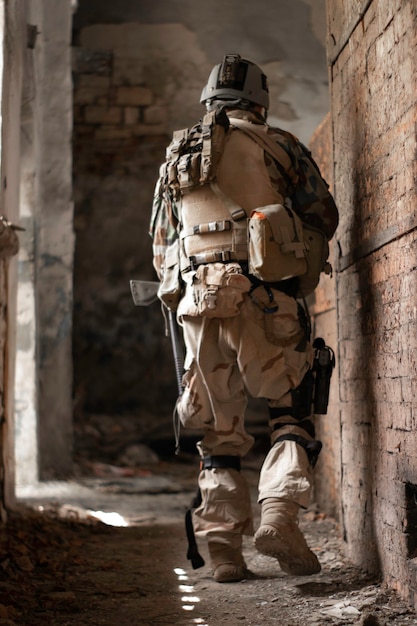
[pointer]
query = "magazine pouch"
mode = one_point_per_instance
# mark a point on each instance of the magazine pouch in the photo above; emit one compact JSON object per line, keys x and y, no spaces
{"x":170,"y":289}
{"x":219,"y":289}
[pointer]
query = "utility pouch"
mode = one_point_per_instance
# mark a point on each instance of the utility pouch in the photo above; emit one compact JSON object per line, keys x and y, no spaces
{"x":317,"y":253}
{"x":276,"y":248}
{"x":219,"y":289}
{"x":170,"y":289}
{"x":280,"y":316}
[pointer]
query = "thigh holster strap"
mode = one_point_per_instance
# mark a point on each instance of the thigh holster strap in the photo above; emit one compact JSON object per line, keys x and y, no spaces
{"x":280,"y":411}
{"x":220,"y":461}
{"x":312,"y":448}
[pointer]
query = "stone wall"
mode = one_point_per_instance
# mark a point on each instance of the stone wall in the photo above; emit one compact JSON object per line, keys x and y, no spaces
{"x":372,"y":52}
{"x":122,"y":356}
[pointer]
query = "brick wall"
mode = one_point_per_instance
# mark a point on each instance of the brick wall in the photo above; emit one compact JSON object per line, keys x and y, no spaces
{"x":122,"y":358}
{"x":322,"y":306}
{"x":372,"y":51}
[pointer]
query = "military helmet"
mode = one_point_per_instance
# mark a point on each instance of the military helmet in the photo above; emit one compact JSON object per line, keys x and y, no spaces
{"x":237,"y":79}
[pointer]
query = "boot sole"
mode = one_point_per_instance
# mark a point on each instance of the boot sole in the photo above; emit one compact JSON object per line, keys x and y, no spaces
{"x":292,"y":561}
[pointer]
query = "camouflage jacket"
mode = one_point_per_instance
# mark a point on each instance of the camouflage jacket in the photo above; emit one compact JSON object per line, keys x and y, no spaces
{"x":302,"y":184}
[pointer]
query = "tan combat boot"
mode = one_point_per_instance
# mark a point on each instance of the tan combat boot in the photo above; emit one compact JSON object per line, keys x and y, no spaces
{"x":280,"y":537}
{"x":226,"y":558}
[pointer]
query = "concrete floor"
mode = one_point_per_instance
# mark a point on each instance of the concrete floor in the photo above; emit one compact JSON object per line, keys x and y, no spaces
{"x":136,"y":572}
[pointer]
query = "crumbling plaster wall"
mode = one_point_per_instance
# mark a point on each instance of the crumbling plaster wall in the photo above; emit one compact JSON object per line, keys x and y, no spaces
{"x":138,"y":73}
{"x":372,"y":52}
{"x":44,"y":407}
{"x":14,"y":41}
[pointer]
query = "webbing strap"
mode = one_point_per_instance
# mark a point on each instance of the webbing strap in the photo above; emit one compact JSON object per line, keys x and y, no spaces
{"x":269,"y":145}
{"x":208,"y":227}
{"x":280,"y":411}
{"x":312,"y":448}
{"x":298,"y":247}
{"x":223,"y":256}
{"x":220,"y":461}
{"x":236,"y":211}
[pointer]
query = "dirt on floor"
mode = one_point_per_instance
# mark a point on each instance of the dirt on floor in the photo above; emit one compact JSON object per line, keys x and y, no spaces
{"x":59,"y":564}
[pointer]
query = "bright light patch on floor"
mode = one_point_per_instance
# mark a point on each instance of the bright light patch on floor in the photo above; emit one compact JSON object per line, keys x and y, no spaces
{"x":109,"y":518}
{"x":190,"y":601}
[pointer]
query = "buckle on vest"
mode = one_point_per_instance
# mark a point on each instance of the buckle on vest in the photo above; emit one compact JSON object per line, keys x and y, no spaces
{"x":212,"y":227}
{"x":223,"y":256}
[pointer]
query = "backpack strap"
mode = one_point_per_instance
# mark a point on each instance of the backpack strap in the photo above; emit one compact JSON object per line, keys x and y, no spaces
{"x":257,"y":132}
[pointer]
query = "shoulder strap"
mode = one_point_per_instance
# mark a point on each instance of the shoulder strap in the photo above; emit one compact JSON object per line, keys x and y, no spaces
{"x":257,"y":133}
{"x":260,"y":136}
{"x":236,"y":211}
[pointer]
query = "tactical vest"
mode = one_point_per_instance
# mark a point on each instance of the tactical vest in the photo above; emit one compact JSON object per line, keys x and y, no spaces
{"x":214,"y":172}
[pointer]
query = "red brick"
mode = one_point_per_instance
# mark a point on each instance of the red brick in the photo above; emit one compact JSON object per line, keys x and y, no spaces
{"x":134,"y":96}
{"x":374,"y":82}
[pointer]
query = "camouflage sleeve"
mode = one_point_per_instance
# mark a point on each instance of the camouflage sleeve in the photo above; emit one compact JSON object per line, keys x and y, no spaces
{"x":312,"y":197}
{"x":163,"y":225}
{"x":307,"y":189}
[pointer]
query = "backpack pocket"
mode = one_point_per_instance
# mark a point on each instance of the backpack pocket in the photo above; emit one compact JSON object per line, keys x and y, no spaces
{"x":276,"y":247}
{"x":317,"y":253}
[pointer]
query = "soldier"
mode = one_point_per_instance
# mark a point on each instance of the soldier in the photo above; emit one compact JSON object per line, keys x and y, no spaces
{"x":225,"y":182}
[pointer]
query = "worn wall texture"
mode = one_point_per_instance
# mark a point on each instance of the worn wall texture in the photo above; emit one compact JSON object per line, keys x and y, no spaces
{"x":13,"y":39}
{"x":322,"y":305}
{"x":372,"y":52}
{"x":44,"y":407}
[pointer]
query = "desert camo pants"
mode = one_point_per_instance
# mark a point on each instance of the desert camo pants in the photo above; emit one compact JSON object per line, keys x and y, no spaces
{"x":265,"y":355}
